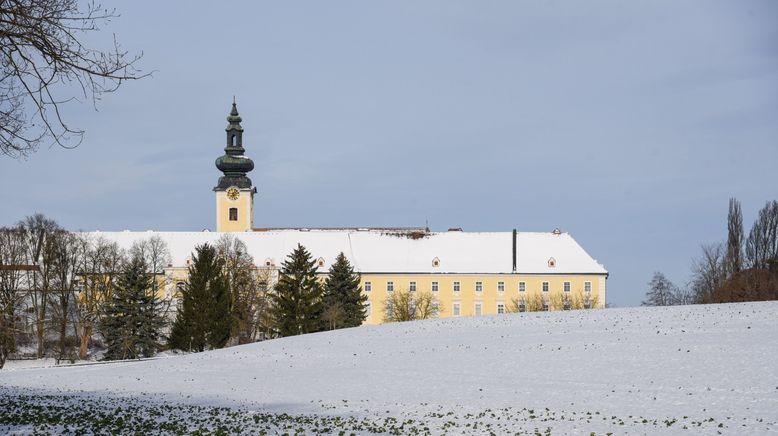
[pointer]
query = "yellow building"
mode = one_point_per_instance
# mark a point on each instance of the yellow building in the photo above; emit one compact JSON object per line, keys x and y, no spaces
{"x":469,"y":273}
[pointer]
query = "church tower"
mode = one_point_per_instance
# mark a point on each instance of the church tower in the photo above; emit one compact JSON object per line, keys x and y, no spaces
{"x":234,"y":191}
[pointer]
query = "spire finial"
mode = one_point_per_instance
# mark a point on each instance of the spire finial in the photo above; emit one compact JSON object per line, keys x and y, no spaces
{"x":233,"y":99}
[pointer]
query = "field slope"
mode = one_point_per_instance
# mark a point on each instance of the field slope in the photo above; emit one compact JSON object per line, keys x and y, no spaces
{"x":694,"y":369}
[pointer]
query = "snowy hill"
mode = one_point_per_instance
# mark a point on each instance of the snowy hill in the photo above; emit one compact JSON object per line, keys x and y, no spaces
{"x":709,"y":368}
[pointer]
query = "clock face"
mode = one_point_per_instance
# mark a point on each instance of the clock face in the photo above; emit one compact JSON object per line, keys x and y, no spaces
{"x":233,"y":194}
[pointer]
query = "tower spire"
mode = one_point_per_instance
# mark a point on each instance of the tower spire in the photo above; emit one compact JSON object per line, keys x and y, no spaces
{"x":233,"y":163}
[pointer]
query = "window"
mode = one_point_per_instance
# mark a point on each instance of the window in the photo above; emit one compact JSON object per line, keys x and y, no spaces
{"x":522,"y":306}
{"x":567,"y":286}
{"x":368,"y":286}
{"x":155,"y":286}
{"x":234,"y":142}
{"x":456,"y":286}
{"x":587,"y":287}
{"x":455,"y":308}
{"x":435,"y":262}
{"x":434,"y":286}
{"x":500,"y":308}
{"x":435,"y":308}
{"x":522,"y":286}
{"x":180,"y":286}
{"x":412,"y":287}
{"x":545,"y":286}
{"x":568,"y":304}
{"x":389,"y":286}
{"x":587,"y":303}
{"x":478,"y":309}
{"x":551,"y":263}
{"x":233,"y":214}
{"x":321,"y":262}
{"x":368,"y":309}
{"x":500,"y":286}
{"x":479,"y":286}
{"x":545,"y":305}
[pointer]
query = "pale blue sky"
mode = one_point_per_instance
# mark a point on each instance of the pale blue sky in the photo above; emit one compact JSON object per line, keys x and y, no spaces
{"x":628,"y":124}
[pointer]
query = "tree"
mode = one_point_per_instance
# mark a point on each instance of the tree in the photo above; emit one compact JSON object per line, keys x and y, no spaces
{"x":296,"y":300}
{"x":12,"y":264}
{"x":402,"y":305}
{"x":762,"y":242}
{"x":43,"y":54}
{"x":246,"y":298}
{"x":40,"y":235}
{"x":343,"y":300}
{"x":100,"y":266}
{"x":734,"y":256}
{"x":156,"y":255}
{"x":204,"y":318}
{"x":134,"y":320}
{"x":708,"y":273}
{"x":661,"y":291}
{"x":67,"y":258}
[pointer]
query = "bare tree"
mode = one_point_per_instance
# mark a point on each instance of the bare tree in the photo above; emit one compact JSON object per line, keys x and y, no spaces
{"x":246,"y":290}
{"x":762,"y":242}
{"x":101,"y":263}
{"x":12,"y":265}
{"x":402,"y":305}
{"x":661,"y":291}
{"x":708,"y":273}
{"x":67,"y":259}
{"x":43,"y":58}
{"x":734,"y":256}
{"x":39,"y":234}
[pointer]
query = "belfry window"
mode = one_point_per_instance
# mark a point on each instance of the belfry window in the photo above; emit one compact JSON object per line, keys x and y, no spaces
{"x":233,"y":214}
{"x":234,"y":140}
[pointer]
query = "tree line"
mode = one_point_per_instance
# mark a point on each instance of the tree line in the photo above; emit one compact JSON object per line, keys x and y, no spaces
{"x":66,"y":295}
{"x":742,"y":268}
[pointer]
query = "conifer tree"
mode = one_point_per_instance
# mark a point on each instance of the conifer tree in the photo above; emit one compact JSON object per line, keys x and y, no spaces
{"x":133,"y":321}
{"x":203,"y":320}
{"x":296,"y":302}
{"x":343,"y":296}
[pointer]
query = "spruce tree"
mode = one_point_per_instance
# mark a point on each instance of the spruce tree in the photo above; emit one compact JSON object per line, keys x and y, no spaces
{"x":203,"y":320}
{"x":342,"y":293}
{"x":296,"y":302}
{"x":133,"y":320}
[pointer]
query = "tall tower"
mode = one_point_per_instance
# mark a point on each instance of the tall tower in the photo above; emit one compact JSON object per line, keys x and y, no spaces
{"x":234,"y":191}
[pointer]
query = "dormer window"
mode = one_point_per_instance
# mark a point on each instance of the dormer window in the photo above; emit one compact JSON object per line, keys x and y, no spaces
{"x":320,"y":262}
{"x":268,"y":262}
{"x":435,"y":262}
{"x":552,"y":263}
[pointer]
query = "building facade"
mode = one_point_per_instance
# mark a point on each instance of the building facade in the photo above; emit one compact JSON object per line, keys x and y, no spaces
{"x":468,"y":273}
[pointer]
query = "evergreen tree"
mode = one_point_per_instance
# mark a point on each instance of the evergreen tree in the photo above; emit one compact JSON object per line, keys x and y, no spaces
{"x":344,"y":303}
{"x":296,"y":302}
{"x":133,"y":321}
{"x":203,"y":320}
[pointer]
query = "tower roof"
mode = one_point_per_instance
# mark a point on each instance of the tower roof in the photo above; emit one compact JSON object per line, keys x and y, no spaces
{"x":234,"y":164}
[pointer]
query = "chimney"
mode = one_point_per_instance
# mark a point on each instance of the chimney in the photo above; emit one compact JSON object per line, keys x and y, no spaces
{"x":514,"y":250}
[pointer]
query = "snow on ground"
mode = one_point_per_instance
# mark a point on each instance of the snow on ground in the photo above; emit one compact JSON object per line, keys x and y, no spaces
{"x":692,"y":369}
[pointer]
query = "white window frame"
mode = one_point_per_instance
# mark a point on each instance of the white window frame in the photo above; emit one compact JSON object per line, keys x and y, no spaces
{"x":478,"y":308}
{"x":588,"y":287}
{"x":545,"y":287}
{"x":522,"y":286}
{"x":435,"y":287}
{"x":566,"y":286}
{"x":457,"y":287}
{"x":479,"y":286}
{"x":390,"y":286}
{"x":456,"y":308}
{"x":368,"y":308}
{"x":412,"y":286}
{"x":500,"y":307}
{"x":368,"y":286}
{"x":501,"y":287}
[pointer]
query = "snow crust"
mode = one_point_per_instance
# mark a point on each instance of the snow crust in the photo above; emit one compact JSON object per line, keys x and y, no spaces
{"x":689,"y":364}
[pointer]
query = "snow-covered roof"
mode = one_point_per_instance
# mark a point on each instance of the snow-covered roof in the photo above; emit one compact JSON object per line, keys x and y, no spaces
{"x":383,"y":251}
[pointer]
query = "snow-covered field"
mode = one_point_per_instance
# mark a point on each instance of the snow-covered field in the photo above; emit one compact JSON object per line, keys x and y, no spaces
{"x":689,"y":370}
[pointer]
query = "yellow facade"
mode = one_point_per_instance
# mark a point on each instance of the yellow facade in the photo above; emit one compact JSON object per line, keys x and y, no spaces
{"x":242,"y":219}
{"x":489,"y":296}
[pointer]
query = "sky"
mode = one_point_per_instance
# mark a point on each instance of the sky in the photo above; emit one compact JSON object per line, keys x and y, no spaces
{"x":627,"y":124}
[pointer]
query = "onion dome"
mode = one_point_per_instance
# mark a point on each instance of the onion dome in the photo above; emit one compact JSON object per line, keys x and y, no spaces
{"x":233,"y":163}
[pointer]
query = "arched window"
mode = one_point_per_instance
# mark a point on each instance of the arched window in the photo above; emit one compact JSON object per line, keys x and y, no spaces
{"x":551,"y":263}
{"x":180,"y":286}
{"x":321,"y":262}
{"x":435,"y":262}
{"x":233,"y":214}
{"x":234,"y":140}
